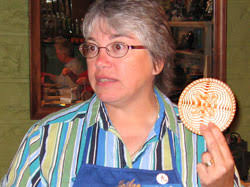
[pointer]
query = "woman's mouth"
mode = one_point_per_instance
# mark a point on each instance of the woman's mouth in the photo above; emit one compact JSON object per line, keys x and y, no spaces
{"x":105,"y":81}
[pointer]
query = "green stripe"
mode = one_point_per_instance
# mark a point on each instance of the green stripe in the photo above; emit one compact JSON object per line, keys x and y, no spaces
{"x":25,"y":177}
{"x":69,"y":153}
{"x":95,"y":111}
{"x":167,"y":154}
{"x":190,"y":156}
{"x":35,"y":146}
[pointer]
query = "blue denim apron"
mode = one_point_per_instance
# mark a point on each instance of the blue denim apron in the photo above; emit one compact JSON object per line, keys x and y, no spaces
{"x":100,"y":176}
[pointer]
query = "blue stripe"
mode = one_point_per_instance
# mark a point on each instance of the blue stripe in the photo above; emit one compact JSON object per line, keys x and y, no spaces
{"x":178,"y":155}
{"x":65,"y":118}
{"x":110,"y":142}
{"x":36,"y":133}
{"x":101,"y":147}
{"x":201,"y":147}
{"x":35,"y":164}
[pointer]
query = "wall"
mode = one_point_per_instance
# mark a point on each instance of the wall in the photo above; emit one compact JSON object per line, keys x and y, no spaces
{"x":14,"y":72}
{"x":238,"y":61}
{"x":14,"y":78}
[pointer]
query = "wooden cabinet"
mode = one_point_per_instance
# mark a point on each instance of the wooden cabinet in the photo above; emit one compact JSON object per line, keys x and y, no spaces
{"x":210,"y":55}
{"x":194,"y":48}
{"x":194,"y":52}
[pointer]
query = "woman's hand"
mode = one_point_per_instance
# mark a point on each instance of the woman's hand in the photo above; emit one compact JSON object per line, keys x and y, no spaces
{"x":217,"y":167}
{"x":44,"y":74}
{"x":66,"y":71}
{"x":82,"y":81}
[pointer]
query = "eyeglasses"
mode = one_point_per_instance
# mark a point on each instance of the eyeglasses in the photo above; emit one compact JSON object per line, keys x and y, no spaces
{"x":115,"y":49}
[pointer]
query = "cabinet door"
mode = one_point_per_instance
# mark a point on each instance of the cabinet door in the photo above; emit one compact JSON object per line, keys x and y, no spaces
{"x":194,"y":53}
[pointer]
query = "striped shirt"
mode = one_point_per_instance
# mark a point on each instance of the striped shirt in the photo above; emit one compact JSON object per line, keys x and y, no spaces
{"x":51,"y":152}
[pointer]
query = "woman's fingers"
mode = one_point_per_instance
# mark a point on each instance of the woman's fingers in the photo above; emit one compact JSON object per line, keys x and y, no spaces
{"x":207,"y":160}
{"x":217,"y":167}
{"x":212,"y":142}
{"x":221,"y":141}
{"x":216,"y":143}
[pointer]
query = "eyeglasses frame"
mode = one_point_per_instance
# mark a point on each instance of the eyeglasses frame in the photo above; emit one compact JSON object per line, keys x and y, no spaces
{"x":106,"y":49}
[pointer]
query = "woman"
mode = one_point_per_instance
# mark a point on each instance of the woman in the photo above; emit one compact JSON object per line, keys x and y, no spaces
{"x":128,"y":133}
{"x":64,"y":53}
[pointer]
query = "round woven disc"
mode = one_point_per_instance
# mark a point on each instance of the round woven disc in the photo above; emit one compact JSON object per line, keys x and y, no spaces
{"x":206,"y":100}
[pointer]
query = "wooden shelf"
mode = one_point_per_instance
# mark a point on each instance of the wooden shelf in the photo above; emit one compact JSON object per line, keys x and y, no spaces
{"x":191,"y":53}
{"x":193,"y":24}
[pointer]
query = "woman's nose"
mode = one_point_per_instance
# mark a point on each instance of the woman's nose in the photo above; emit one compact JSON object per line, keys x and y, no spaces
{"x":103,"y":59}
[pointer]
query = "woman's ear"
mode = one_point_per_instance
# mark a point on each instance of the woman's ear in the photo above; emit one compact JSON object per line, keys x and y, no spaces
{"x":158,"y":66}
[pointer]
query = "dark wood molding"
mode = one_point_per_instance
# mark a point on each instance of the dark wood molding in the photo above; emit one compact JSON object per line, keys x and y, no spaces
{"x":220,"y":39}
{"x":35,"y":56}
{"x":36,"y":110}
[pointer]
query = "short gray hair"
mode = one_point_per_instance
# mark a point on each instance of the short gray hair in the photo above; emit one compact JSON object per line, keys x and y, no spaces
{"x":144,"y":18}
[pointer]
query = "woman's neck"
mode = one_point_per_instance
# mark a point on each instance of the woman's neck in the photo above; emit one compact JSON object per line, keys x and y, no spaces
{"x":141,"y":112}
{"x":135,"y":121}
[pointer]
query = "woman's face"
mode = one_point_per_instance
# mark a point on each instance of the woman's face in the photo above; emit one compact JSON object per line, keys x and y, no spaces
{"x":119,"y":80}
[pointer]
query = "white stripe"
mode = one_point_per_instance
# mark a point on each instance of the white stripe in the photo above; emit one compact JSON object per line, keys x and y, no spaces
{"x":184,"y":155}
{"x":194,"y":171}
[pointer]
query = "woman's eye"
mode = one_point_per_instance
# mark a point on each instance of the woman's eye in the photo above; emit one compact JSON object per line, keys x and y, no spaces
{"x":92,"y":48}
{"x":118,"y":46}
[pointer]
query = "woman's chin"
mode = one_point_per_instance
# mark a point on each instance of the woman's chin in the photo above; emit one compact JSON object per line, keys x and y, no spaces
{"x":107,"y":98}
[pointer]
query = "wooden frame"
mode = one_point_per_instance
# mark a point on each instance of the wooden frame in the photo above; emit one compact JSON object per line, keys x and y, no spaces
{"x":36,"y":109}
{"x":220,"y":39}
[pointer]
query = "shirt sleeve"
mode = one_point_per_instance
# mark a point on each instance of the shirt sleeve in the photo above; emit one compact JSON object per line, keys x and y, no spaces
{"x":25,"y":167}
{"x":237,"y":182}
{"x":75,"y":66}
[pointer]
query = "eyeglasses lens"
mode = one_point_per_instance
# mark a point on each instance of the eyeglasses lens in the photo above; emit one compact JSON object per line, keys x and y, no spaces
{"x":115,"y":49}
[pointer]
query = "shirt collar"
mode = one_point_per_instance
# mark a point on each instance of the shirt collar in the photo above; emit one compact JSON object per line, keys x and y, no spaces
{"x":97,"y":115}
